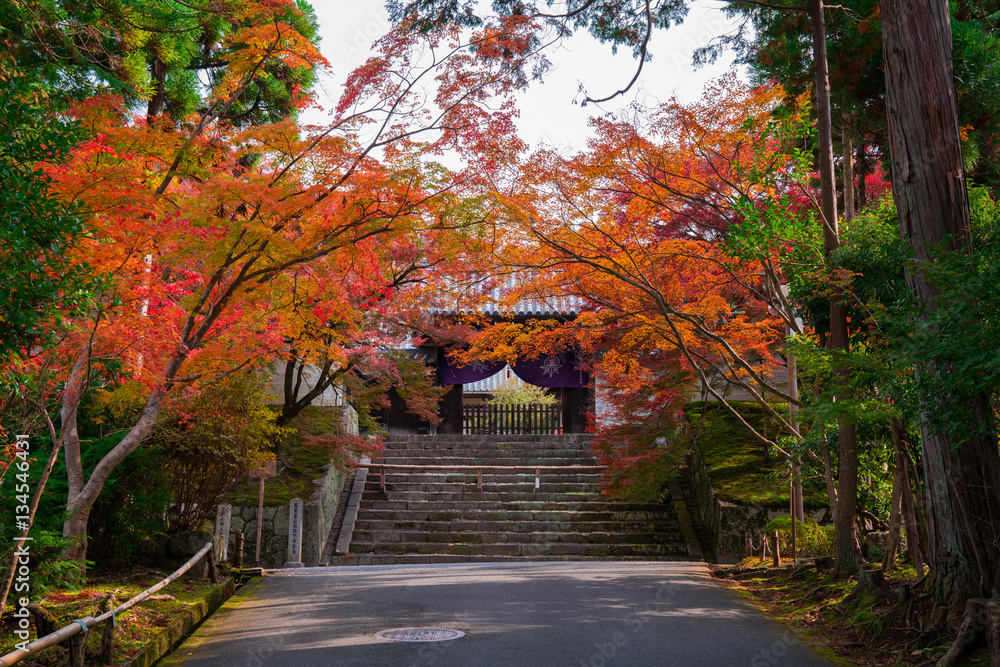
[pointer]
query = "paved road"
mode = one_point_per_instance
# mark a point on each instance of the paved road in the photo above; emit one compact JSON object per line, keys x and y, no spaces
{"x":592,"y":614}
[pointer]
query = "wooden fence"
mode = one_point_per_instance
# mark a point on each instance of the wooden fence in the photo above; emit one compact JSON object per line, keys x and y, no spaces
{"x":71,"y":633}
{"x":532,"y":419}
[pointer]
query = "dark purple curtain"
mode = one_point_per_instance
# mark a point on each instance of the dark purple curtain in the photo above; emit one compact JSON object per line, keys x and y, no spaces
{"x":551,"y":370}
{"x":474,"y":372}
{"x":547,"y":370}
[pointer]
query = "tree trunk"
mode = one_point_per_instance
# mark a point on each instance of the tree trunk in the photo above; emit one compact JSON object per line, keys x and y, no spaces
{"x":82,"y":496}
{"x":962,"y":503}
{"x":895,"y":517}
{"x":914,"y":538}
{"x":848,"y":174}
{"x":847,"y":549}
{"x":862,"y":175}
{"x":157,"y":101}
{"x":831,"y":483}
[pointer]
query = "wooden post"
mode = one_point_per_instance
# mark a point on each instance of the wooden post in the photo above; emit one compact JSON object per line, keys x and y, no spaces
{"x":747,"y":545}
{"x":76,"y":649}
{"x":775,"y":554}
{"x":238,"y":549}
{"x":538,"y":479}
{"x":108,"y":634}
{"x":763,"y":546}
{"x":381,"y":482}
{"x":479,"y":480}
{"x":260,"y":518}
{"x":213,"y":572}
{"x":791,"y":500}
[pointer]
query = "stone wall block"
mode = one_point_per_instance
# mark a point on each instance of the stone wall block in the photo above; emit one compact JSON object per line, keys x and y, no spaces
{"x":728,"y":522}
{"x":318,"y":514}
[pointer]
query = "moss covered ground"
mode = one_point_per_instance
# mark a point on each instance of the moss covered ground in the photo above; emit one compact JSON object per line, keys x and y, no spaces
{"x":738,"y":465}
{"x":298,"y":463}
{"x":135,"y":627}
{"x":870,"y":630}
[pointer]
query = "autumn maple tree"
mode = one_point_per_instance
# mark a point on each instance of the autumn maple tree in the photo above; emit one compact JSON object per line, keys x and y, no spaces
{"x":234,"y":244}
{"x":674,"y":231}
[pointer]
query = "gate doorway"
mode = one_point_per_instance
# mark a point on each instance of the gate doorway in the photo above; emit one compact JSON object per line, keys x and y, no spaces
{"x":532,"y":419}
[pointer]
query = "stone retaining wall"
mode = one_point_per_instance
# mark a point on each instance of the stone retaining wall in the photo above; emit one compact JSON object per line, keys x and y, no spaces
{"x":727,"y":522}
{"x":317,"y":518}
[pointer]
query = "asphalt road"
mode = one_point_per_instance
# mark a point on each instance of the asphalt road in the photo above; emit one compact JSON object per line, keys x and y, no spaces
{"x":590,"y":614}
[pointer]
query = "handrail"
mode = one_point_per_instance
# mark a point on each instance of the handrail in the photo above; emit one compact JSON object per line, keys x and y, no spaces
{"x":89,"y":622}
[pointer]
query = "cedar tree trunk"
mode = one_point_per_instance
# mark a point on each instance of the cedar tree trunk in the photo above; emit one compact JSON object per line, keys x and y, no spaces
{"x":962,"y":479}
{"x":847,"y":549}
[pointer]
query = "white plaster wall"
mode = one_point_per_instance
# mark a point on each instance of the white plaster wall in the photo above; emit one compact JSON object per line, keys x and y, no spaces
{"x":332,"y":397}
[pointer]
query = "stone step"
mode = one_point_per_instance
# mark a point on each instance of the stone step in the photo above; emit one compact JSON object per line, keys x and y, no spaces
{"x":524,"y":475}
{"x":371,"y":537}
{"x":440,"y":516}
{"x":420,"y":559}
{"x":395,"y":487}
{"x":447,"y":438}
{"x":534,"y":504}
{"x":520,"y":452}
{"x":558,"y":516}
{"x":489,"y":477}
{"x":487,"y":459}
{"x":557,"y":456}
{"x":462,"y":492}
{"x":516,"y":549}
{"x":497,"y":526}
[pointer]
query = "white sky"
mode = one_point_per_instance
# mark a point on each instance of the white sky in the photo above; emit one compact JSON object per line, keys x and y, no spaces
{"x":548,"y":112}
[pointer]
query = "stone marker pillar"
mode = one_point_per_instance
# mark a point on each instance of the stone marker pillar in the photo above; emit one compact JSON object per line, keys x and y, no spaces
{"x":294,"y":533}
{"x":222,"y":520}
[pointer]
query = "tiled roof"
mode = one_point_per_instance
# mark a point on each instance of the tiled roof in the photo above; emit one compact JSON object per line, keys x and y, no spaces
{"x":492,"y":383}
{"x":493,"y":298}
{"x":552,"y":307}
{"x":564,"y":306}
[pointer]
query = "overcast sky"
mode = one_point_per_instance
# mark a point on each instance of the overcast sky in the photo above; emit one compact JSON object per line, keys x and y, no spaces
{"x":548,"y":111}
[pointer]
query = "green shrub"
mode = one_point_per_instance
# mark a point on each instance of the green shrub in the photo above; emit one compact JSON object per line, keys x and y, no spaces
{"x":514,"y":392}
{"x":48,"y":569}
{"x":210,"y":441}
{"x":811,"y":539}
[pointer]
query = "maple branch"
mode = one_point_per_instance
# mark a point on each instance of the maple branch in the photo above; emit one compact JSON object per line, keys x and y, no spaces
{"x":642,"y":61}
{"x":707,"y":385}
{"x":617,"y":271}
{"x":209,"y":116}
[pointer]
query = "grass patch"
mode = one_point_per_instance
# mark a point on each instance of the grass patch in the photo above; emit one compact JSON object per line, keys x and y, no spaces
{"x":735,"y":459}
{"x":135,"y":628}
{"x":298,"y":464}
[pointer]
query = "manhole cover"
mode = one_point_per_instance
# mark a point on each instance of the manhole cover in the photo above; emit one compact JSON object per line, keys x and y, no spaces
{"x":419,"y":634}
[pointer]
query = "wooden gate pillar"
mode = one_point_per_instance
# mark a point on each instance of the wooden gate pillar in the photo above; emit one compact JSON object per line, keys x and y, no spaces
{"x":451,"y":411}
{"x":575,"y":405}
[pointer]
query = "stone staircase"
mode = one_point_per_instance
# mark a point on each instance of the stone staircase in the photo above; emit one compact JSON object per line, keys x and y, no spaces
{"x":440,"y":516}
